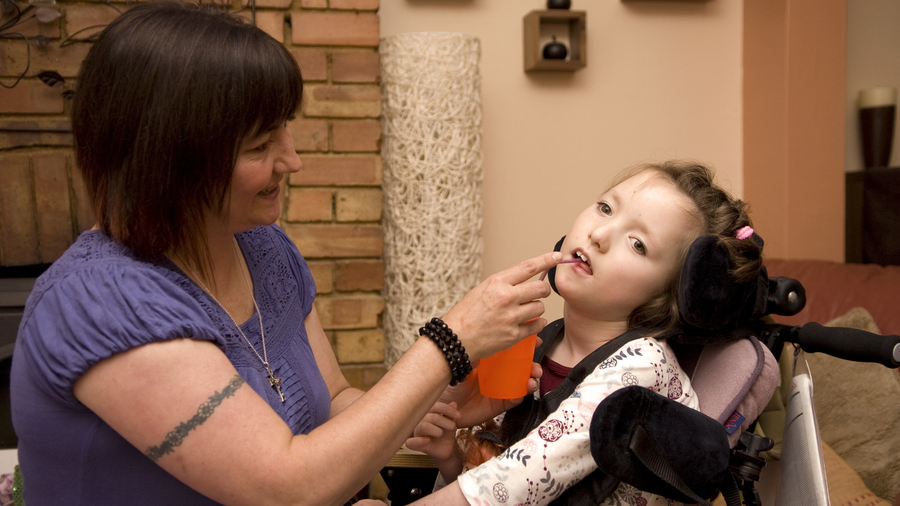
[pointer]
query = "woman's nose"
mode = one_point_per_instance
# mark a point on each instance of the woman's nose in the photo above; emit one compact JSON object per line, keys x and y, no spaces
{"x":289,"y":160}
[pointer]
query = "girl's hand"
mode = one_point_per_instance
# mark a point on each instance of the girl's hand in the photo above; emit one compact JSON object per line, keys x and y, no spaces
{"x":474,"y":408}
{"x":436,"y":433}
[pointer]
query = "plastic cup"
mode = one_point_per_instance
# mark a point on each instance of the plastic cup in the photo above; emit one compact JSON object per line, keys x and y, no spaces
{"x":504,"y":375}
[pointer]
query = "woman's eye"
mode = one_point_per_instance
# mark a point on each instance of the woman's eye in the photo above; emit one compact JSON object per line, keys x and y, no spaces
{"x":262,"y":147}
{"x":638,"y":246}
{"x":604,"y":207}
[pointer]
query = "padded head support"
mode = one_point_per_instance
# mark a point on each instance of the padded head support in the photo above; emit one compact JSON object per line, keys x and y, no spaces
{"x":709,"y":299}
{"x":551,"y":274}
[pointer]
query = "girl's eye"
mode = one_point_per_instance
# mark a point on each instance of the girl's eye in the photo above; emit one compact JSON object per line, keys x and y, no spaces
{"x":638,"y":246}
{"x":604,"y":207}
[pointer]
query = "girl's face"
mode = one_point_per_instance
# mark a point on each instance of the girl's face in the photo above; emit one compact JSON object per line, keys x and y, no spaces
{"x":631,"y":243}
{"x":255,"y":194}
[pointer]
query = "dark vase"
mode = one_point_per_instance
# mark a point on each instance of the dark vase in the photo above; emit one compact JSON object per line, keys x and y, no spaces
{"x":555,"y":50}
{"x":559,"y":4}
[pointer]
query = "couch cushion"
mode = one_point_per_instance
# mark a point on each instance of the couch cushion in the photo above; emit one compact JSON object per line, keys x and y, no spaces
{"x":833,"y":288}
{"x":858,"y":413}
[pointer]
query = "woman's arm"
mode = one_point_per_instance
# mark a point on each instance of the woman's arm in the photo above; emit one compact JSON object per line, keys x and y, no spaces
{"x":342,"y":394}
{"x":183,"y":404}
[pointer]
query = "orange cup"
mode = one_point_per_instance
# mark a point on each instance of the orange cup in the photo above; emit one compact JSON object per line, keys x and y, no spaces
{"x":504,"y":375}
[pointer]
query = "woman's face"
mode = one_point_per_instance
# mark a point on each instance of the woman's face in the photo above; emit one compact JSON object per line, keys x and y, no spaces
{"x":255,"y":194}
{"x":631,"y":243}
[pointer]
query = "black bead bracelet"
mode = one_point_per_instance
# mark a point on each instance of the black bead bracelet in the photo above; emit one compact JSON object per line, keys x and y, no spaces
{"x":451,"y":347}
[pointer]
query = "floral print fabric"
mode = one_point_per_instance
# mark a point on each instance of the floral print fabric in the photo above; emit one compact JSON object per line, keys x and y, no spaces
{"x":557,"y":454}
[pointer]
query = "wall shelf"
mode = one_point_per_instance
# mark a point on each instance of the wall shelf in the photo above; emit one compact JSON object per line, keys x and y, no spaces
{"x":568,"y":26}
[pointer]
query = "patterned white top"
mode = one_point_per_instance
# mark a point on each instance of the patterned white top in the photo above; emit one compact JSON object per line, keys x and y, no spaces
{"x":557,"y":454}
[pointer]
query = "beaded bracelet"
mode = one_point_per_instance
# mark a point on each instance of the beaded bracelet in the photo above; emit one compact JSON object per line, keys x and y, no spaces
{"x":452,"y":348}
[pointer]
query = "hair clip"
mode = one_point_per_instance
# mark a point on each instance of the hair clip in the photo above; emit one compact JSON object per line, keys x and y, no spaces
{"x":744,"y":233}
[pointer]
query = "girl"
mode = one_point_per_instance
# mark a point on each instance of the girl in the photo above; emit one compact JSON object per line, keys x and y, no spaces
{"x":629,"y":248}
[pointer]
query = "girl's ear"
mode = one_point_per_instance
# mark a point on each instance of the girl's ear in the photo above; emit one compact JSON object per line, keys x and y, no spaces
{"x":551,"y":274}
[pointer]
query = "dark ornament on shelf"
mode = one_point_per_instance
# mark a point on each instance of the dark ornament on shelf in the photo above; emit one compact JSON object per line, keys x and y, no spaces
{"x":555,"y":50}
{"x":559,"y":4}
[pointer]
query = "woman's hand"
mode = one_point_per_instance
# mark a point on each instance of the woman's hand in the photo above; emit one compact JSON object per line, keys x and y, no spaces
{"x":495,"y":314}
{"x":475,"y":408}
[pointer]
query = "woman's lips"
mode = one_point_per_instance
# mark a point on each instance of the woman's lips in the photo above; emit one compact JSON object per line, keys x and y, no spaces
{"x":270,"y":193}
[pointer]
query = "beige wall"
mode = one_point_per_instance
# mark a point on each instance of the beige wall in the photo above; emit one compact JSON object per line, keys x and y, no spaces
{"x":663,"y":80}
{"x":872,"y":60}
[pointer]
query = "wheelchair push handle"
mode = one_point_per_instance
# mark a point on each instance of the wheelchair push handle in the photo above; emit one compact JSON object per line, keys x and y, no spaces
{"x":849,"y":344}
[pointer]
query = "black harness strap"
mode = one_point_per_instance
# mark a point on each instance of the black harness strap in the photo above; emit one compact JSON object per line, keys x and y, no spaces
{"x":528,"y":415}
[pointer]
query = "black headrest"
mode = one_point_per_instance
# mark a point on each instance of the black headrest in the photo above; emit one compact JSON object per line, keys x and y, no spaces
{"x":709,"y":299}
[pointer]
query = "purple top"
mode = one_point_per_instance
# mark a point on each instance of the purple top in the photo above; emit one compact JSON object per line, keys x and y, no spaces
{"x":98,"y":300}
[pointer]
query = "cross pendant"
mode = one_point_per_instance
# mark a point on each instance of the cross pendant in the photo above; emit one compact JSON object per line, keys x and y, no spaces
{"x":276,"y":383}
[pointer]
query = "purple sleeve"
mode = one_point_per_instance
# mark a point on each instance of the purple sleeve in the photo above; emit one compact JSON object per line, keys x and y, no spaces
{"x":99,"y":311}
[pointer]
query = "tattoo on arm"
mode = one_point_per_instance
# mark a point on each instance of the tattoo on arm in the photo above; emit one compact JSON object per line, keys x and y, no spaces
{"x":176,"y":437}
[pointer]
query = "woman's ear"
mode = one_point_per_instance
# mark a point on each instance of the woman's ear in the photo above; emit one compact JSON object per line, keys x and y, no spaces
{"x":551,"y":274}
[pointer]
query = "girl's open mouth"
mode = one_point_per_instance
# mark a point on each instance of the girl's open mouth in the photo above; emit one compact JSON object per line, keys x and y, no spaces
{"x":570,"y":261}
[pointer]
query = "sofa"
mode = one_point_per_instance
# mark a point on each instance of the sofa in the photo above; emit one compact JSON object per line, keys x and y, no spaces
{"x":857,"y":404}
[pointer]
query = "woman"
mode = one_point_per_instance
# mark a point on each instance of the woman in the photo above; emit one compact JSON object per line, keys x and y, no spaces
{"x":173,"y":355}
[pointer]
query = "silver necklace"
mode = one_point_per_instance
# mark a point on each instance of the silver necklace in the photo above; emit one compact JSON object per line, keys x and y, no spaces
{"x":264,"y":358}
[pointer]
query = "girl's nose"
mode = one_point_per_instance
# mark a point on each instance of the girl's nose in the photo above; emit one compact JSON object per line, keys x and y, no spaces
{"x":600,"y":236}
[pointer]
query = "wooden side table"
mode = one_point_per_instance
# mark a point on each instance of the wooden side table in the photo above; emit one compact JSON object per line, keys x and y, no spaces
{"x":873,"y":216}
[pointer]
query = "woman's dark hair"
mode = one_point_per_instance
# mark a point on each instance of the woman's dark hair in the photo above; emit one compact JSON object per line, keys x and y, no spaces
{"x":163,"y":101}
{"x":720,"y":215}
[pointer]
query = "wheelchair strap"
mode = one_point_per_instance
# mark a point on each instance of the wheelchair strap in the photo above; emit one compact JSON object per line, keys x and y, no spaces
{"x":642,"y":447}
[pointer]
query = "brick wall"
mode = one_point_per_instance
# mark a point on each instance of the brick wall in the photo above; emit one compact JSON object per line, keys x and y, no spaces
{"x":332,"y":207}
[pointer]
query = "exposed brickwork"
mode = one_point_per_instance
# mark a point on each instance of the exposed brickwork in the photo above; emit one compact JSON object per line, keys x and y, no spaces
{"x":53,"y":209}
{"x":333,"y":205}
{"x":38,"y":131}
{"x":338,"y":170}
{"x":309,"y":134}
{"x":313,"y":63}
{"x":356,"y":135}
{"x":354,"y":4}
{"x":271,"y":22}
{"x":343,"y":101}
{"x":18,"y":233}
{"x":359,"y":346}
{"x":31,"y":97}
{"x":338,"y":241}
{"x":310,"y":204}
{"x":329,"y":28}
{"x":351,"y":275}
{"x":314,"y":4}
{"x":323,"y":275}
{"x":355,"y":67}
{"x":349,"y":311}
{"x":358,"y":204}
